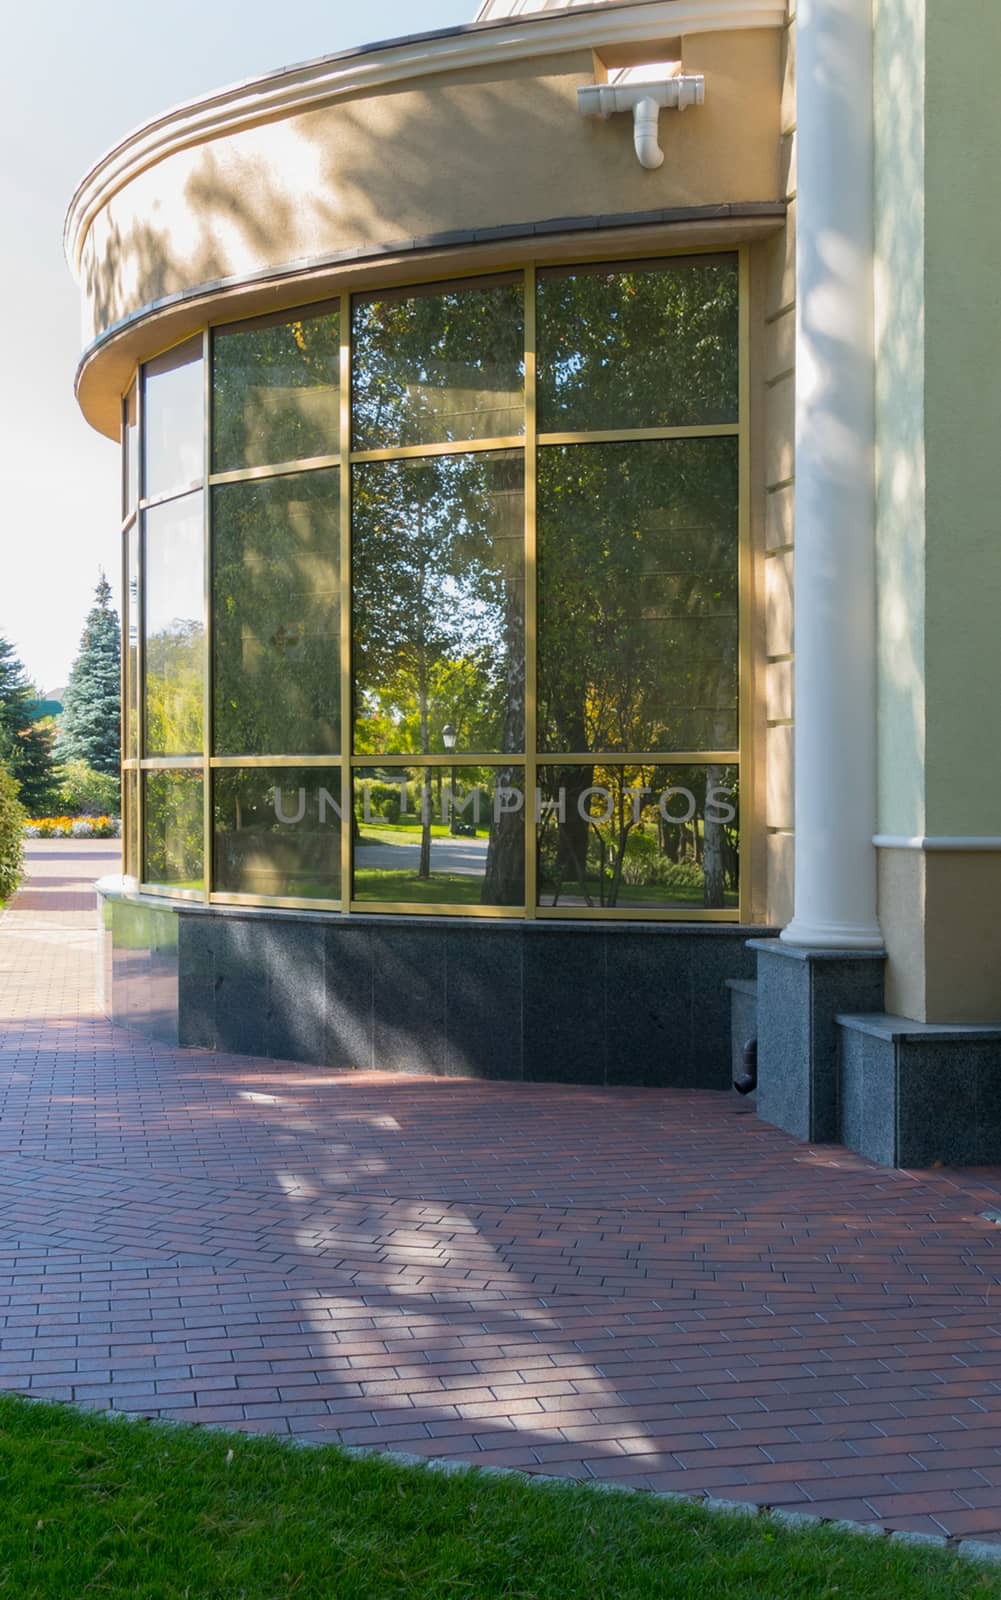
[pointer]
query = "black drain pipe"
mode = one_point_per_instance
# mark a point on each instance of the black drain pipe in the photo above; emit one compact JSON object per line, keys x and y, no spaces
{"x":748,"y":1080}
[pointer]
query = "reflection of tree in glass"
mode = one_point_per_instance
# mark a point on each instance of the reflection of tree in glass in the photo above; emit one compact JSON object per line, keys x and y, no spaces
{"x":438,"y":364}
{"x":175,"y":687}
{"x":173,"y":821}
{"x":638,"y":613}
{"x":638,"y":624}
{"x":640,"y":347}
{"x":277,"y":831}
{"x":646,"y":838}
{"x":275,"y":391}
{"x":276,"y":615}
{"x":131,"y":739}
{"x":174,"y":623}
{"x":438,"y":600}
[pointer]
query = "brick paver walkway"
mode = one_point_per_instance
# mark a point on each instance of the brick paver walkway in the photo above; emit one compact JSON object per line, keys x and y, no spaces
{"x":612,"y":1284}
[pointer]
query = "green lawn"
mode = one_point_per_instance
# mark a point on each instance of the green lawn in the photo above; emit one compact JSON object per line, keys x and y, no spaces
{"x":404,"y":832}
{"x":444,"y":888}
{"x":107,"y":1508}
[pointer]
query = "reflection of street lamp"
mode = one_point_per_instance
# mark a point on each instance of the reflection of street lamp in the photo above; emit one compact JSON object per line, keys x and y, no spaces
{"x":449,"y":734}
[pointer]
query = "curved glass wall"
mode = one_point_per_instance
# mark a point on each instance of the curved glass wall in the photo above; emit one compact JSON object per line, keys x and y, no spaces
{"x":434,"y":599}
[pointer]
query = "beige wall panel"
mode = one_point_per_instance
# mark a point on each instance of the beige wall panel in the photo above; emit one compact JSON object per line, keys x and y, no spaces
{"x":962,"y":948}
{"x":780,"y":516}
{"x":780,"y":434}
{"x":787,"y":165}
{"x":753,"y":682}
{"x":779,"y":691}
{"x":781,"y":270}
{"x":779,"y":630}
{"x":901,"y":908}
{"x":787,"y":109}
{"x":470,"y":149}
{"x":780,"y":345}
{"x":778,"y":778}
{"x":781,"y":848}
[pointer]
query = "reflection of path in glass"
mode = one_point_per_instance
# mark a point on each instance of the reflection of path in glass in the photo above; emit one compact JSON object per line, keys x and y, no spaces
{"x":465,"y":856}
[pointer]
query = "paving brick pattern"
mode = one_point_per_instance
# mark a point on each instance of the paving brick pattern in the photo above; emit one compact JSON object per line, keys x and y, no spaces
{"x":628,"y":1284}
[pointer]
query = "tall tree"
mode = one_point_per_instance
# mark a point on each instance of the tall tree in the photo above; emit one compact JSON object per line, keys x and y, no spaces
{"x":25,"y":744}
{"x":90,"y":726}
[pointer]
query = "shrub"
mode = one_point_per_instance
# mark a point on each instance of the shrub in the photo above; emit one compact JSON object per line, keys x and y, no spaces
{"x":641,"y":861}
{"x":680,"y":875}
{"x":11,"y":840}
{"x":85,"y":792}
{"x":383,"y":800}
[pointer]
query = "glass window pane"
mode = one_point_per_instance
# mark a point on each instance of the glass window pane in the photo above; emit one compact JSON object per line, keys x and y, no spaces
{"x":638,"y":582}
{"x":277,"y":832}
{"x":276,"y":390}
{"x":174,"y":823}
{"x":638,"y":347}
{"x":438,"y":574}
{"x":175,"y":627}
{"x":130,"y":453}
{"x":440,"y":836}
{"x":131,"y":730}
{"x":276,"y":615}
{"x":645,"y":837}
{"x":173,"y":420}
{"x":130,"y":823}
{"x":439,"y":363}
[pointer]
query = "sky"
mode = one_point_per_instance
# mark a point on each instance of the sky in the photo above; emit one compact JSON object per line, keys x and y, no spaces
{"x":74,"y":78}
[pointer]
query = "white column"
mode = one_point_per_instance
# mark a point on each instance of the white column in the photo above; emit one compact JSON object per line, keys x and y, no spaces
{"x":835,"y":574}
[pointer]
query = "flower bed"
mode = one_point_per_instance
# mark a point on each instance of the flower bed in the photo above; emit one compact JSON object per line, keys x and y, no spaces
{"x":72,"y":828}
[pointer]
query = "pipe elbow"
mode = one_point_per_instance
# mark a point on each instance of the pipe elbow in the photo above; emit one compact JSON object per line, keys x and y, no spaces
{"x":646,"y":131}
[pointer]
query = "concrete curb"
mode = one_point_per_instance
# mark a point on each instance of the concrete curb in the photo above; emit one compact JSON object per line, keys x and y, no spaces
{"x":793,"y":1521}
{"x":979,"y":1550}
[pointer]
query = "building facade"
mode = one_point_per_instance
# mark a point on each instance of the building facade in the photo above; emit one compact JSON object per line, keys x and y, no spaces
{"x":559,"y":559}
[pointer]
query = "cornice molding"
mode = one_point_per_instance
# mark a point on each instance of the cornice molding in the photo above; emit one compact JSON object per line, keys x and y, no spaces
{"x":932,"y":843}
{"x":293,"y":90}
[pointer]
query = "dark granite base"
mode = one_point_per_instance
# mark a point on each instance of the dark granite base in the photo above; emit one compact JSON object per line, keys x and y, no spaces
{"x":800,"y":993}
{"x":743,"y":1021}
{"x":139,"y":964}
{"x":918,"y":1094}
{"x":582,"y":1003}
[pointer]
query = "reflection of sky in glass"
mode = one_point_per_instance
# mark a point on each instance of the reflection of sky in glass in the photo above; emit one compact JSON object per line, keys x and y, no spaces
{"x":175,"y":581}
{"x":172,"y":419}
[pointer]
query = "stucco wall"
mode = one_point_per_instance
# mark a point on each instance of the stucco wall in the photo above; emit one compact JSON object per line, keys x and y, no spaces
{"x":473,"y":148}
{"x":939,"y":539}
{"x":962,"y":408}
{"x":900,"y":458}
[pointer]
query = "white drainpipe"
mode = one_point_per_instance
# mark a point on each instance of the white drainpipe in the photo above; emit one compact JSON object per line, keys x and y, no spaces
{"x":645,"y":101}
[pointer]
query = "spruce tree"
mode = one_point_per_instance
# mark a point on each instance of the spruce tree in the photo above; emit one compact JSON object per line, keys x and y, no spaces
{"x":25,"y":746}
{"x":89,"y":729}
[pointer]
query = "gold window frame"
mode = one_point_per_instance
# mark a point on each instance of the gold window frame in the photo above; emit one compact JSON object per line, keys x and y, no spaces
{"x":346,"y":761}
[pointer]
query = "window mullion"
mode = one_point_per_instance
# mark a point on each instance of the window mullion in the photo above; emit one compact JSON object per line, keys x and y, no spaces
{"x":346,"y":686}
{"x":531,"y":596}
